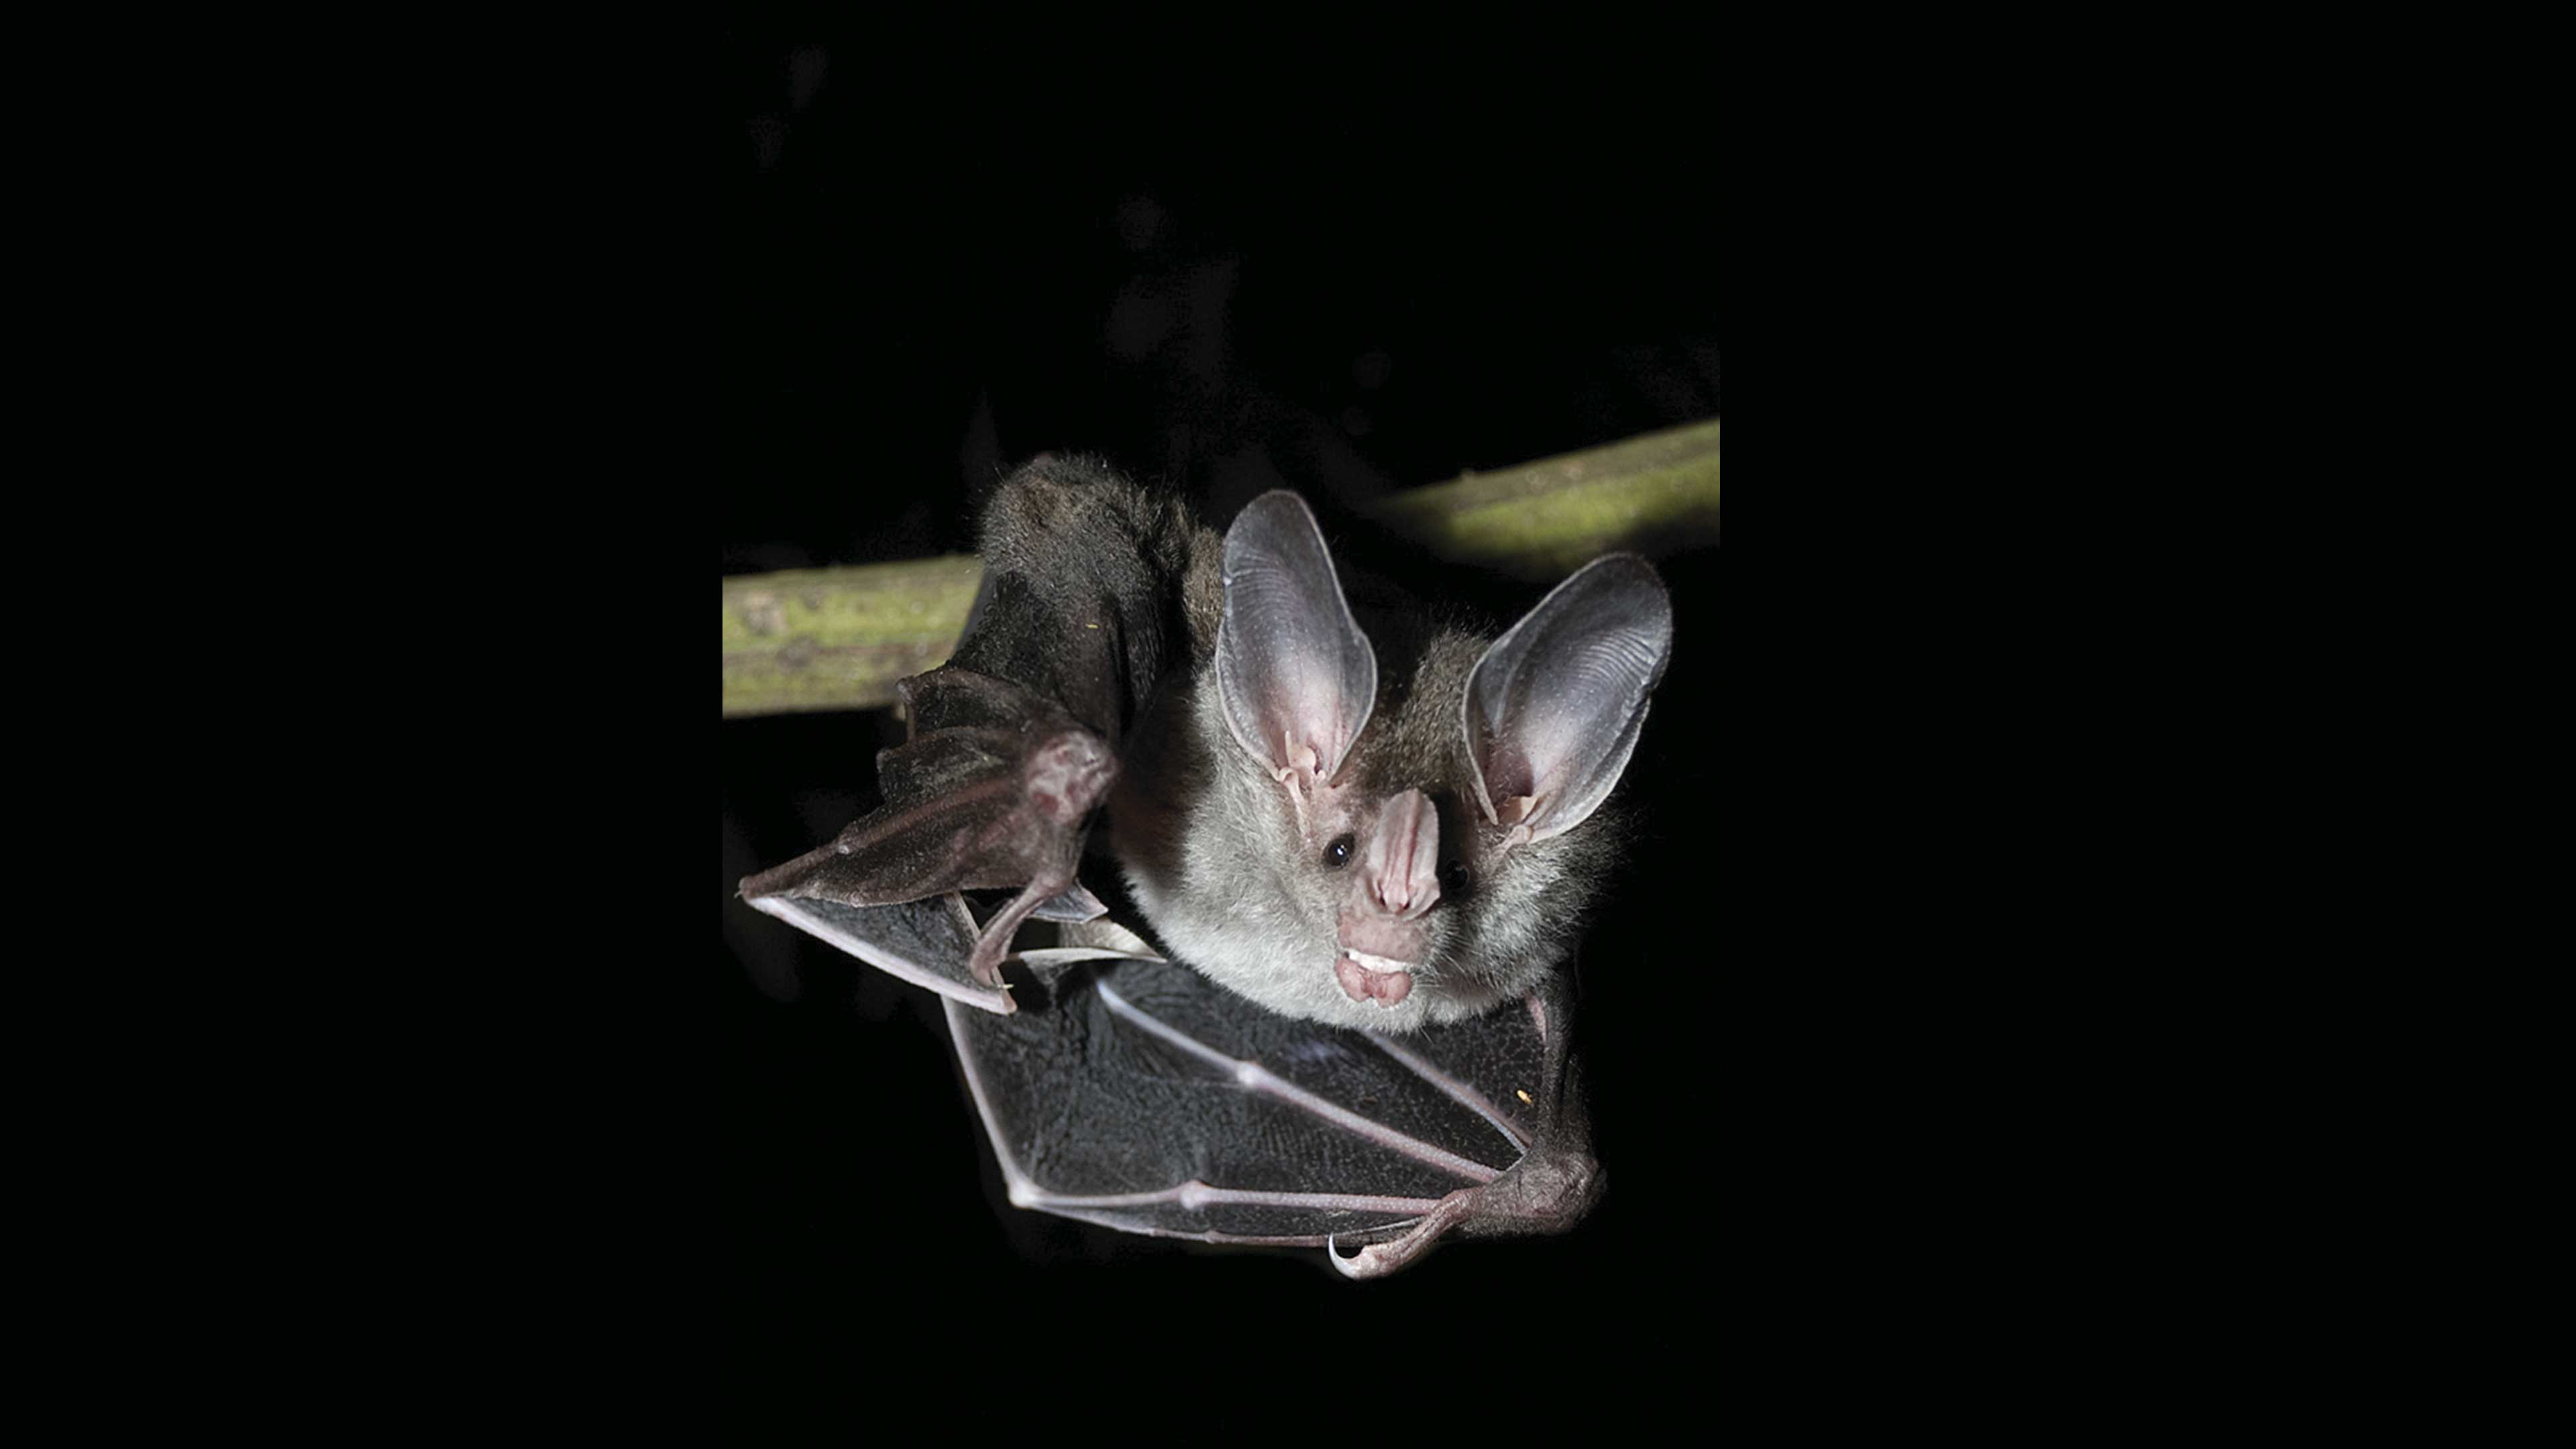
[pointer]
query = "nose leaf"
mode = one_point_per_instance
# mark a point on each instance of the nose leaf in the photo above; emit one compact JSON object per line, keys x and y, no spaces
{"x":1403,"y":860}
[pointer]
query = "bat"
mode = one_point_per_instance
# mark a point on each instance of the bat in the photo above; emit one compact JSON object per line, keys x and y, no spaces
{"x":1359,"y":874}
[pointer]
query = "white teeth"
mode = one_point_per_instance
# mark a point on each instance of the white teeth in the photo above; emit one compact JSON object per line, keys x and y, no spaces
{"x":1379,"y":963}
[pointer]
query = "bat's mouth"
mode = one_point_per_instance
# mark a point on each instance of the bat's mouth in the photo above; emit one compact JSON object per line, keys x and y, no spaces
{"x":1373,"y":978}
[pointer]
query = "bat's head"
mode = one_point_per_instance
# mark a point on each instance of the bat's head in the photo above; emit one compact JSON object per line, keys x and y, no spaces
{"x":1390,"y":853}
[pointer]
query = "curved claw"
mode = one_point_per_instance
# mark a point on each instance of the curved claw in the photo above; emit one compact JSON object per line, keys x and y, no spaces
{"x":1379,"y":1259}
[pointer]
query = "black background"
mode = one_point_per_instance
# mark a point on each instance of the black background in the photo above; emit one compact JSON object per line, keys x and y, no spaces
{"x":1888,"y":1046}
{"x":910,"y":303}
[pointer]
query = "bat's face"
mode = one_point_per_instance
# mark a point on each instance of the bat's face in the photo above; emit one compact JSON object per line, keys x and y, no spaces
{"x":1378,"y":899}
{"x":1384,"y":858}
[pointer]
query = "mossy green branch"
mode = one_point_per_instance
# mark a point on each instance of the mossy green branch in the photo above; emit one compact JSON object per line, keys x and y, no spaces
{"x":1655,"y":494}
{"x":839,"y":638}
{"x":818,"y":639}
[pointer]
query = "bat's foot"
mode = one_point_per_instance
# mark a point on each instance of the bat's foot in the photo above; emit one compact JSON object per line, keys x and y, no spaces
{"x":994,"y":941}
{"x":1548,"y":1191}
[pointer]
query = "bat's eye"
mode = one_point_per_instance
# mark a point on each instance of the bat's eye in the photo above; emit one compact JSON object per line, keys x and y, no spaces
{"x":1453,"y":878}
{"x":1338,"y":854}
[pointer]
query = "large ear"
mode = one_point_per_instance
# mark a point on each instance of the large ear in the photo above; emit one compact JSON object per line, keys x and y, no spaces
{"x":1294,"y":672}
{"x":1553,"y":708}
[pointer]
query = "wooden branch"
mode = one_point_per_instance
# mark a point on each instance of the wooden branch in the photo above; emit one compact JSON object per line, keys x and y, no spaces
{"x":818,"y":639}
